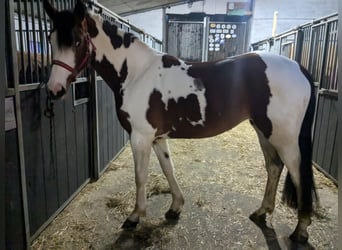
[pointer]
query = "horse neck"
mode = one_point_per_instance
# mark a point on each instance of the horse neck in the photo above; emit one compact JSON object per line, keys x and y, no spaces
{"x":138,"y":56}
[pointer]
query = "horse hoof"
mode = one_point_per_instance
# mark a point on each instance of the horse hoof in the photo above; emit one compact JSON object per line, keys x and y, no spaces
{"x":130,"y":225}
{"x":172,"y":215}
{"x":298,"y":238}
{"x":258,"y":219}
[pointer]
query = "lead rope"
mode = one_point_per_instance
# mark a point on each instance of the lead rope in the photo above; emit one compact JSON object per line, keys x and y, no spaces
{"x":49,"y":113}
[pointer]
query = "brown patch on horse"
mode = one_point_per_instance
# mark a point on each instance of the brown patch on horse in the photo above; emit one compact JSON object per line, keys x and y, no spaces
{"x":114,"y":81}
{"x":236,"y":89}
{"x":111,"y":31}
{"x":128,"y":39}
{"x":91,"y":27}
{"x":169,"y":61}
{"x":178,"y":115}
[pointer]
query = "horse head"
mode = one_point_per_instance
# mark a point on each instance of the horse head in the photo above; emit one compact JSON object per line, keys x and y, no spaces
{"x":71,"y":46}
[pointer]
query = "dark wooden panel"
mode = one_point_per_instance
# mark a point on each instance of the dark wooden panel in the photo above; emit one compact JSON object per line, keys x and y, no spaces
{"x":334,"y":162}
{"x":100,"y":124}
{"x":117,"y":135}
{"x":87,"y":133}
{"x":48,"y":136}
{"x":31,"y":119}
{"x":61,"y":152}
{"x":120,"y":138}
{"x":79,"y":144}
{"x":321,"y":130}
{"x":70,"y":127}
{"x":111,"y":120}
{"x":56,"y":157}
{"x":325,"y":143}
{"x":105,"y":124}
{"x":111,"y":134}
{"x":14,"y":228}
{"x":330,"y":136}
{"x":317,"y":125}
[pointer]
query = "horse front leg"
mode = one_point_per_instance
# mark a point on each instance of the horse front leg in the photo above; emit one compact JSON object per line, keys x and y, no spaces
{"x":161,"y":148}
{"x":141,"y":148}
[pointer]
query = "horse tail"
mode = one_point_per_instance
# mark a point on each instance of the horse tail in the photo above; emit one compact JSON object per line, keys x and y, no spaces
{"x":307,"y":185}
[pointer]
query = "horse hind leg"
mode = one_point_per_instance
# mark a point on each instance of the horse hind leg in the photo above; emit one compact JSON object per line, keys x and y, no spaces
{"x":162,"y":151}
{"x":274,"y":167}
{"x":299,"y":190}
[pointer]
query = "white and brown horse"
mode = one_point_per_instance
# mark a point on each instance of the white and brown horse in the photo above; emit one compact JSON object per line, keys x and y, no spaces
{"x":159,"y":97}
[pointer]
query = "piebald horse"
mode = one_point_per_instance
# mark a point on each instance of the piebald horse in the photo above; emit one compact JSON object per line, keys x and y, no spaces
{"x":159,"y":96}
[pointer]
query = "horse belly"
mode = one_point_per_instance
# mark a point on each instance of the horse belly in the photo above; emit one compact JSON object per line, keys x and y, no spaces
{"x":217,"y":119}
{"x":187,"y":131}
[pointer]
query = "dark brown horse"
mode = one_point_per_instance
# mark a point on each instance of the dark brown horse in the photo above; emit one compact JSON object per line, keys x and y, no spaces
{"x":159,"y":97}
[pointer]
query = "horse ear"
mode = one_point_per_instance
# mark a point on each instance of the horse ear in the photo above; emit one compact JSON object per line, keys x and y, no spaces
{"x":51,"y":11}
{"x":80,"y":11}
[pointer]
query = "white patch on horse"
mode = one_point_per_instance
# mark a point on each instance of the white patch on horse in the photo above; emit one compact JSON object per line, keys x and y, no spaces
{"x":59,"y":75}
{"x":136,"y":88}
{"x":288,"y":104}
{"x":176,"y":83}
{"x":287,"y":100}
{"x":115,"y":57}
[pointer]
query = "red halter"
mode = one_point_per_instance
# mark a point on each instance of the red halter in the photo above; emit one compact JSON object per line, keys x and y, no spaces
{"x":75,"y":71}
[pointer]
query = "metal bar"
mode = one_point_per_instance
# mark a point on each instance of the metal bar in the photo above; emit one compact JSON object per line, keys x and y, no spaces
{"x":244,"y":49}
{"x":324,"y":49}
{"x":27,"y":32}
{"x":299,"y":45}
{"x":3,"y":80}
{"x":334,"y":39}
{"x":56,"y":4}
{"x":48,"y":48}
{"x":33,"y":86}
{"x":309,"y":50}
{"x":41,"y":38}
{"x":205,"y":41}
{"x":21,"y":46}
{"x":329,"y":92}
{"x":93,"y":166}
{"x":335,"y":63}
{"x":35,"y":72}
{"x":96,"y":132}
{"x":329,"y":56}
{"x":287,"y":43}
{"x":165,"y":30}
{"x":13,"y":49}
{"x":317,"y":22}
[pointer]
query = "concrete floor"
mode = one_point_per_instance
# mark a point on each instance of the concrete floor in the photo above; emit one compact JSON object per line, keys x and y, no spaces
{"x":223,"y":180}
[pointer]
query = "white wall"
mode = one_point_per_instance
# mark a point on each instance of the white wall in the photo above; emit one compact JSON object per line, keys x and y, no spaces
{"x":152,"y":23}
{"x":291,"y":13}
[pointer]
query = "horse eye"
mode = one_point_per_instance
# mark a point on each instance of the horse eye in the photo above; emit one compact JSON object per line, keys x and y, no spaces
{"x":78,"y":43}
